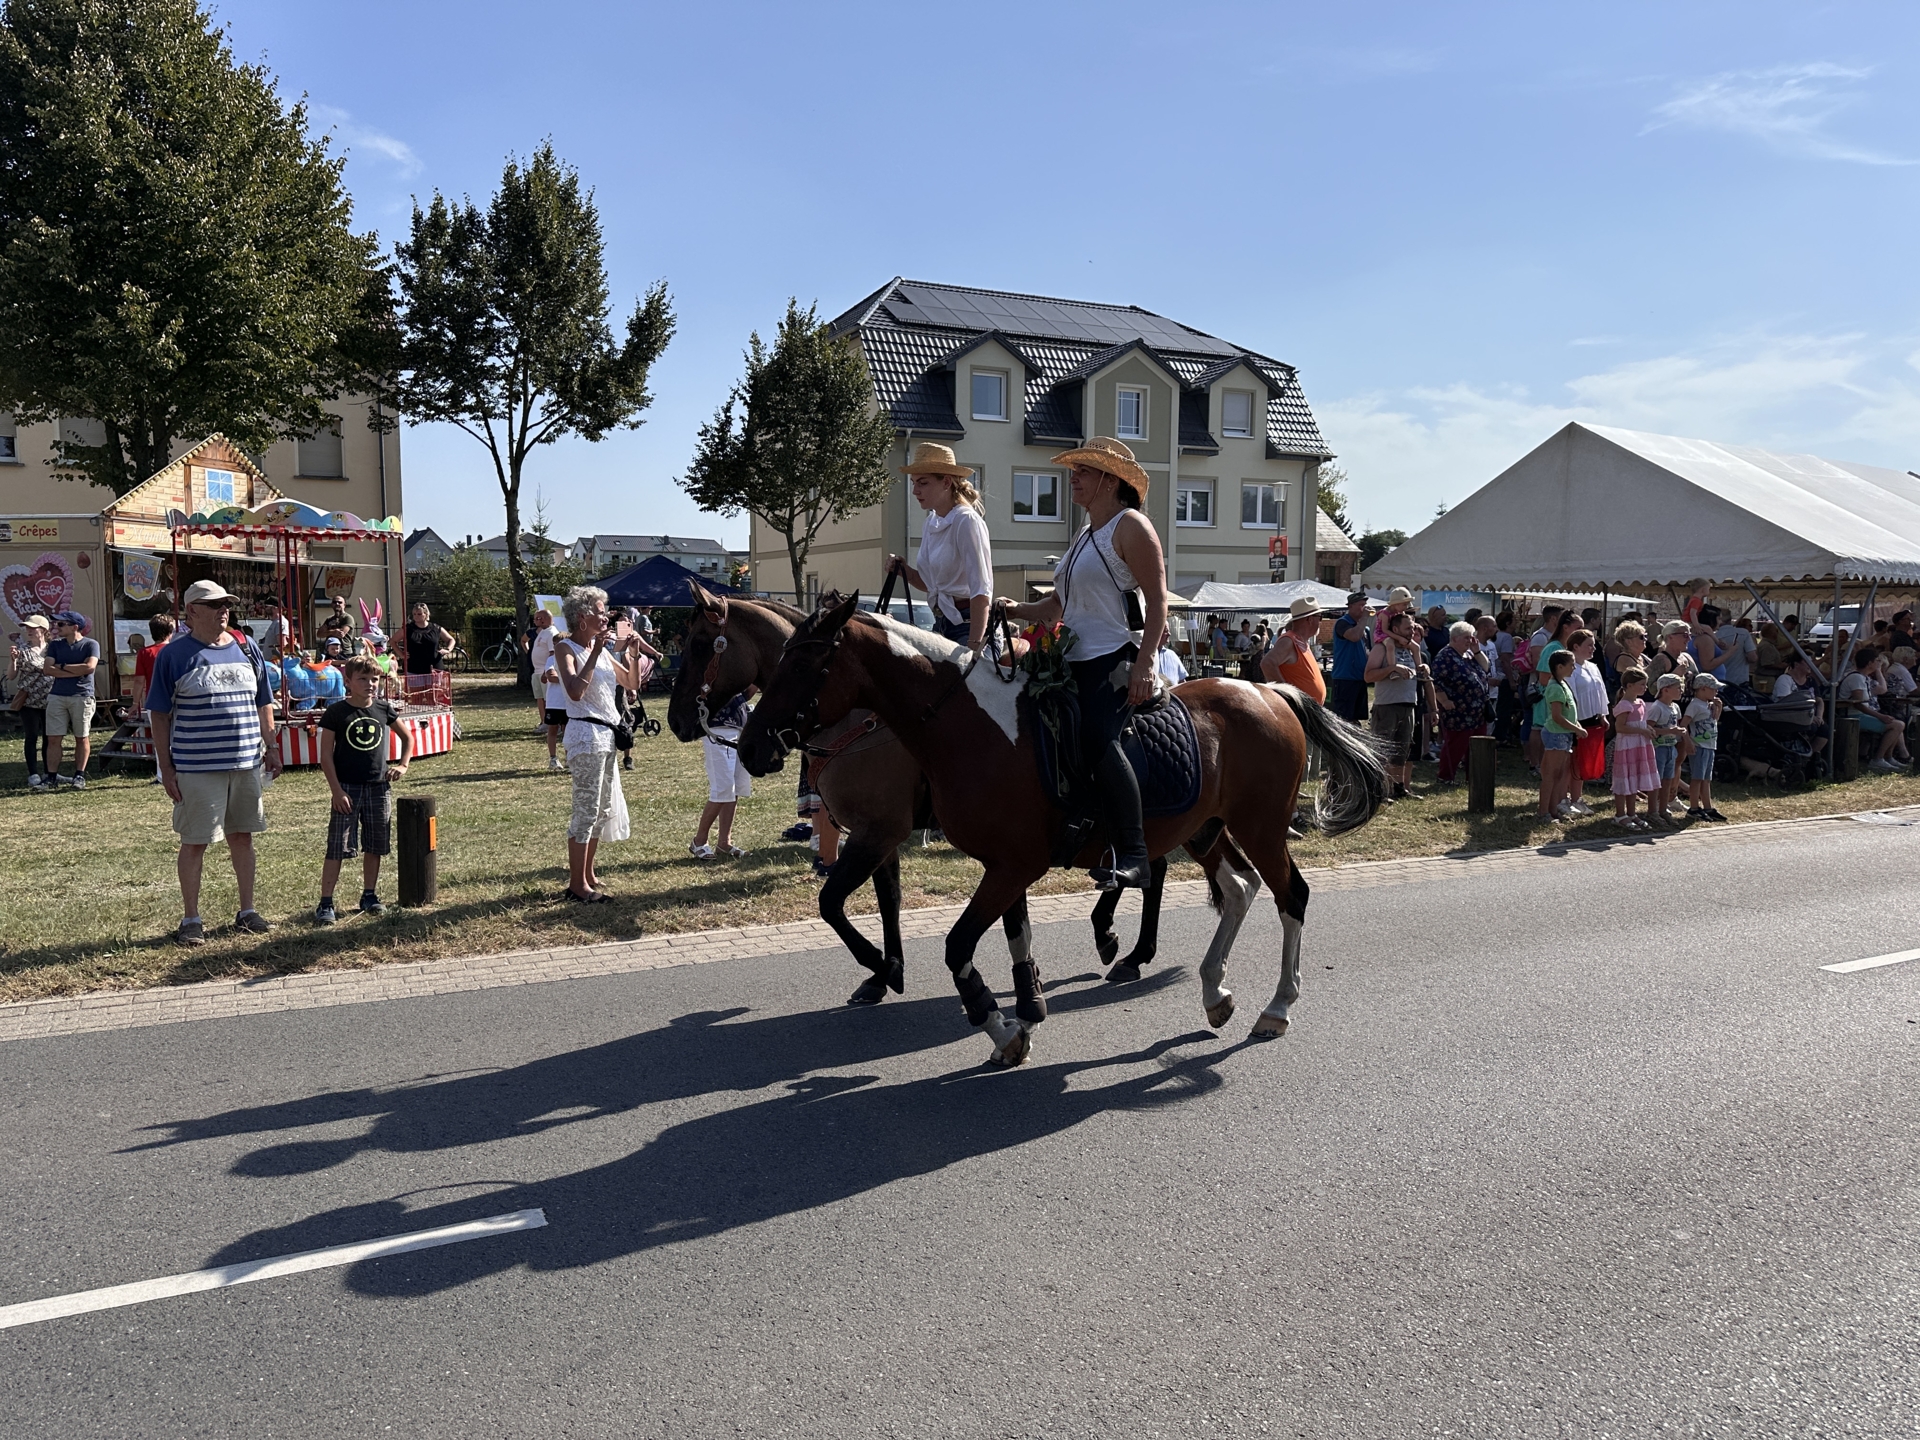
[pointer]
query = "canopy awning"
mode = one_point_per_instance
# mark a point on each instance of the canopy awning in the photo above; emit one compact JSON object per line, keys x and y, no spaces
{"x":658,"y":580}
{"x":1217,"y":597}
{"x":1597,"y":508}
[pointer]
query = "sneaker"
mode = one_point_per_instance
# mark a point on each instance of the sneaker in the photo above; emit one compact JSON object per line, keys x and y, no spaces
{"x":626,"y":762}
{"x":1885,"y":767}
{"x":1626,"y":822}
{"x":191,"y":932}
{"x":1713,"y":814}
{"x":553,"y":763}
{"x":79,"y":782}
{"x":36,"y":782}
{"x":370,"y":904}
{"x":61,"y":782}
{"x":799,"y":834}
{"x":252,"y":922}
{"x":821,"y":869}
{"x":1694,"y":812}
{"x":324,"y":913}
{"x":1579,"y":807}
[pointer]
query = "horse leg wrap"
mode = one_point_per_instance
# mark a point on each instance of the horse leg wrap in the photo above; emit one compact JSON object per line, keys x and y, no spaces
{"x":975,"y":996}
{"x":1030,"y":1002}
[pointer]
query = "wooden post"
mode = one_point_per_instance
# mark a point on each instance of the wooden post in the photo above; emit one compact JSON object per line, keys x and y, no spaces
{"x":1482,"y":760}
{"x":418,"y":834}
{"x":1846,"y":746}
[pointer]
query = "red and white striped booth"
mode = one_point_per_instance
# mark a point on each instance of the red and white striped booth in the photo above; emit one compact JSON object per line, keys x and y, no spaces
{"x":432,"y":731}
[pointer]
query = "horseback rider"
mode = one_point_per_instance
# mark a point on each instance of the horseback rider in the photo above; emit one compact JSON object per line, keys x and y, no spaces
{"x":1116,"y":555}
{"x":956,"y":558}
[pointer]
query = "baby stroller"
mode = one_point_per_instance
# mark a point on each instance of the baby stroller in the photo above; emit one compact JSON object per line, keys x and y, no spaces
{"x":1770,"y":742}
{"x":637,"y":712}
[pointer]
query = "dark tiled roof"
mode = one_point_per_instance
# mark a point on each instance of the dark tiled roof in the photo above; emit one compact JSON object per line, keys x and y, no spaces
{"x":912,"y":332}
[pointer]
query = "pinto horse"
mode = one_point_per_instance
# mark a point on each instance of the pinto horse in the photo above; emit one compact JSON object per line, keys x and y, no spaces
{"x":873,"y":789}
{"x":961,"y":722}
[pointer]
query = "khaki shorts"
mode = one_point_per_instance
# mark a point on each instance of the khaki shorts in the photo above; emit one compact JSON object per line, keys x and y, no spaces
{"x":217,"y":803}
{"x":69,"y":714}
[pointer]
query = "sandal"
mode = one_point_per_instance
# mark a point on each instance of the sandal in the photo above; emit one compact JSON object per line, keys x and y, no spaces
{"x":734,"y":852}
{"x":700,"y":852}
{"x":596,"y":898}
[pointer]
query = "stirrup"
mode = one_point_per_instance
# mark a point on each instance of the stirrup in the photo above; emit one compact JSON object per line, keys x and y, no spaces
{"x":1111,"y":876}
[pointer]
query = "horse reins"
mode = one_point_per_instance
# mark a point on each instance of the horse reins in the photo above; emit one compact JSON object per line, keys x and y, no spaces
{"x":720,"y":643}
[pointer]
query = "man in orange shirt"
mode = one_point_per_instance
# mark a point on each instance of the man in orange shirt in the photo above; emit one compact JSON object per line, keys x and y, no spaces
{"x":1293,"y":656}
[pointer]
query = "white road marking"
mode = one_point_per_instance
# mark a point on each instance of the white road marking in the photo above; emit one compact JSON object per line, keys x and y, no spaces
{"x":1847,"y":967}
{"x":32,"y":1312}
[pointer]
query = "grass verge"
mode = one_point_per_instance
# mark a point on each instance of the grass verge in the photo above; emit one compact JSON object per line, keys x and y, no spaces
{"x":91,"y":900}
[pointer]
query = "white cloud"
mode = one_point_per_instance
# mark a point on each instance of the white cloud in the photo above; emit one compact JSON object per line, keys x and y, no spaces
{"x":1787,"y":107}
{"x":1845,"y":397}
{"x":365,"y":140}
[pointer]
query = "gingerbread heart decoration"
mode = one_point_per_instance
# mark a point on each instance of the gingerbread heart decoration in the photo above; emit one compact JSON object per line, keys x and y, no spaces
{"x":37,"y":589}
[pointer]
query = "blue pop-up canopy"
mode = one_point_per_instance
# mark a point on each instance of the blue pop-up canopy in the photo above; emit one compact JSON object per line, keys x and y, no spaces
{"x":658,"y":580}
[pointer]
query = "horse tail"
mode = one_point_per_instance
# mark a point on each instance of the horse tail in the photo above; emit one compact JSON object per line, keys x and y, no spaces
{"x":1356,"y":781}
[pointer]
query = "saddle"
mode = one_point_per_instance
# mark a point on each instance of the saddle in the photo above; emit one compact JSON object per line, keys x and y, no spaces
{"x":1159,"y":742}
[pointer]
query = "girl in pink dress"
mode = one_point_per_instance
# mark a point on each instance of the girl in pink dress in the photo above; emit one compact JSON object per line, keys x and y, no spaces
{"x":1634,"y":773}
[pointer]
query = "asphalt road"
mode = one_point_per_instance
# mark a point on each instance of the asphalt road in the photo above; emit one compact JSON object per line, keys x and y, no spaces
{"x":1584,"y":1150}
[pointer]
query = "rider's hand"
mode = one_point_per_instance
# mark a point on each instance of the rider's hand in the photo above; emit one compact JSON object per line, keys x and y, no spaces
{"x":1140,"y":682}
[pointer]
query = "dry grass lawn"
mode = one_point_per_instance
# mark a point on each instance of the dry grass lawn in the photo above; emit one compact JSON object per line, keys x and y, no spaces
{"x":90,"y":900}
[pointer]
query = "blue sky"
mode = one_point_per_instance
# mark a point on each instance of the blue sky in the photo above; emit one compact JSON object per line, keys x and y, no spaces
{"x":1465,"y":224}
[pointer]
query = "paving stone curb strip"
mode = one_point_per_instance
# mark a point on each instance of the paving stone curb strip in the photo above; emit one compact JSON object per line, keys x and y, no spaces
{"x":219,"y":999}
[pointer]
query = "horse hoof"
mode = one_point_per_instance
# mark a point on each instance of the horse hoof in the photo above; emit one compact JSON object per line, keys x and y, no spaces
{"x":1015,"y":1051}
{"x":1108,"y":949}
{"x":896,"y":976}
{"x":1137,"y":960}
{"x":1123,"y":974}
{"x":1219,"y":1014}
{"x":1268,"y":1027}
{"x":871,"y":992}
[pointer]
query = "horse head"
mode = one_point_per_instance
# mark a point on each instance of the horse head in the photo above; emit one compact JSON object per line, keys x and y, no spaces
{"x":714,"y":665}
{"x":789,"y":708}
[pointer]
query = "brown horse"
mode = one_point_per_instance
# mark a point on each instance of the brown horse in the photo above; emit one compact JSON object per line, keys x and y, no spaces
{"x":962,"y":724}
{"x":872,"y":786}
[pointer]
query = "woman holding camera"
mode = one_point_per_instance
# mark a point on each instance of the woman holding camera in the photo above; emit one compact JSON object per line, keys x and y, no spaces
{"x":593,"y":663}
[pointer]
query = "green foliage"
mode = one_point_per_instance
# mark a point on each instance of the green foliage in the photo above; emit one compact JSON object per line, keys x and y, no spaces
{"x":465,"y":581}
{"x":1376,"y":543}
{"x":176,"y":254}
{"x":486,"y":626}
{"x":739,"y":574}
{"x":1333,"y":495}
{"x":504,"y":327}
{"x":799,"y":442}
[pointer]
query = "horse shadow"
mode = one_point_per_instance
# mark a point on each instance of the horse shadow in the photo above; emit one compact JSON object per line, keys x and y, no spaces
{"x":823,"y":1139}
{"x":703,"y":1053}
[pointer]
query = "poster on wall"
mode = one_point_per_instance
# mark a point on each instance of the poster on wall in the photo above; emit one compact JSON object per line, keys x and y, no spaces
{"x":38,"y":587}
{"x":140,"y":575}
{"x":551,"y":604}
{"x":130,"y":637}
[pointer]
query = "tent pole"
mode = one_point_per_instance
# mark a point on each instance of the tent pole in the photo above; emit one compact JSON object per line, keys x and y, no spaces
{"x":1833,"y":691}
{"x":1766,"y":608}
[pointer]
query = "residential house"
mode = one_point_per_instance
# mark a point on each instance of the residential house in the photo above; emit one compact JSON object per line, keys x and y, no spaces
{"x":605,"y":554}
{"x":423,"y":549}
{"x":1336,"y":557}
{"x":347,"y":467}
{"x":496,"y":549}
{"x":1011,"y":380}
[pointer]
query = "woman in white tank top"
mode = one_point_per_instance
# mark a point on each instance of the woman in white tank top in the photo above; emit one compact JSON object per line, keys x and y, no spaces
{"x":1117,"y":556}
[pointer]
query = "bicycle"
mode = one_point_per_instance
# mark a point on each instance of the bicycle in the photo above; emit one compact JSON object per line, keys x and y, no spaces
{"x":503,"y":656}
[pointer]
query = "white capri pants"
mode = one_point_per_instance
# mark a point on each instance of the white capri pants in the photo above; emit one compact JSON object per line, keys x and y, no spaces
{"x":727,"y":777}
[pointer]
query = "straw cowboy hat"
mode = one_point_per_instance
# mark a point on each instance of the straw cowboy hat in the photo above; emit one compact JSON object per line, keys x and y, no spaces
{"x":1109,"y":455}
{"x":931,"y":459}
{"x":1300,"y":609}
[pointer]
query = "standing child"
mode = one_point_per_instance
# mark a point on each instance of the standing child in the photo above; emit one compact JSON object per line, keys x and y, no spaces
{"x":1663,"y":719}
{"x":1703,"y":724}
{"x":727,"y":780}
{"x":1634,"y":771}
{"x":1559,"y":730}
{"x":353,"y":757}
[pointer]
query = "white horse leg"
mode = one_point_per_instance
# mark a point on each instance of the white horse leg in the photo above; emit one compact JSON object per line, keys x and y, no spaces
{"x":1237,"y":888}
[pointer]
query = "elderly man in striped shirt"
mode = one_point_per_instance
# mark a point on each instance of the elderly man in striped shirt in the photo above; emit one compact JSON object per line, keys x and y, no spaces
{"x":212,"y":727}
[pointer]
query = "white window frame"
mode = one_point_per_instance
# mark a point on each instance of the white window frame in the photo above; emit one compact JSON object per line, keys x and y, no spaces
{"x":1185,"y":487}
{"x":974,"y":377}
{"x":337,"y":431}
{"x":1059,"y":495}
{"x":232,"y":486}
{"x":1119,"y":429}
{"x":1226,"y":429}
{"x":1279,"y":490}
{"x":9,"y":439}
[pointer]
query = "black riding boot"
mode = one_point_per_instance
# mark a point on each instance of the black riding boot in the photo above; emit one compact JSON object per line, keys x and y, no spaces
{"x":1119,"y":790}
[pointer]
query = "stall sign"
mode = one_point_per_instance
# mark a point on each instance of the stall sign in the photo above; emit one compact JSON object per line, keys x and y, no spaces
{"x":140,"y":575}
{"x":338,"y":580}
{"x":129,"y":639}
{"x":29,"y":532}
{"x":38,"y":588}
{"x":144,"y":535}
{"x":552,"y":605}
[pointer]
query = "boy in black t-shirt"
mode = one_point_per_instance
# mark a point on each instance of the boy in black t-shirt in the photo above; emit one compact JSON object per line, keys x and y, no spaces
{"x":353,"y":756}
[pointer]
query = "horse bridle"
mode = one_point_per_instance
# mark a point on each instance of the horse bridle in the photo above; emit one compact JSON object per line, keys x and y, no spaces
{"x":720,"y":643}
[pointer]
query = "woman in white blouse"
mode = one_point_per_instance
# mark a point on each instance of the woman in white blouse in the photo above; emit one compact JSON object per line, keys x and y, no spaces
{"x":956,"y":559}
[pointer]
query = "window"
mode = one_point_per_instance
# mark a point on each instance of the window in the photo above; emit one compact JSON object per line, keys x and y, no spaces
{"x":319,"y":457}
{"x":1330,"y":575}
{"x":989,"y":394}
{"x":1130,"y":414}
{"x":1236,"y":413}
{"x":1262,"y":506}
{"x":1193,"y":503}
{"x":1036,"y":495}
{"x":219,"y":486}
{"x":7,"y":438}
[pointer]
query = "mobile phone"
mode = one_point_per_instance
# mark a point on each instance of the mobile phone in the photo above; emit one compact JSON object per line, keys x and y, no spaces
{"x":623,"y":627}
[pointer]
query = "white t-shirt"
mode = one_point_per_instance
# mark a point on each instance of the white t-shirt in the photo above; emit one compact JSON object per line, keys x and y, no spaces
{"x":1168,"y":664}
{"x":1589,"y":690}
{"x":1858,"y":689}
{"x":542,"y":660}
{"x":1899,"y":679}
{"x":1786,"y":687}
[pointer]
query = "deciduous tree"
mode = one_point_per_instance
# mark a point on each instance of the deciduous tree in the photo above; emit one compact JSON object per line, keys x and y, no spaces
{"x":176,"y":253}
{"x":800,"y":442}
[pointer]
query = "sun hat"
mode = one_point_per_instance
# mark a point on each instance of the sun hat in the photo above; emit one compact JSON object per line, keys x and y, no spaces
{"x":1108,"y":455}
{"x":1301,"y":608}
{"x":931,"y":459}
{"x":1675,"y":627}
{"x":1706,"y":677}
{"x":36,"y":622}
{"x":205,"y":592}
{"x":1399,"y":595}
{"x":1672,"y":677}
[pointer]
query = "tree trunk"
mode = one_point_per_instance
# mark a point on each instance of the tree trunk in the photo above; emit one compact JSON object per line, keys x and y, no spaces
{"x":517,"y":570}
{"x":797,"y":558}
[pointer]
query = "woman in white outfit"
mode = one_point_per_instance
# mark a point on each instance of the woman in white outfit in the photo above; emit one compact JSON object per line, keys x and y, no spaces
{"x":592,"y":664}
{"x":956,"y":560}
